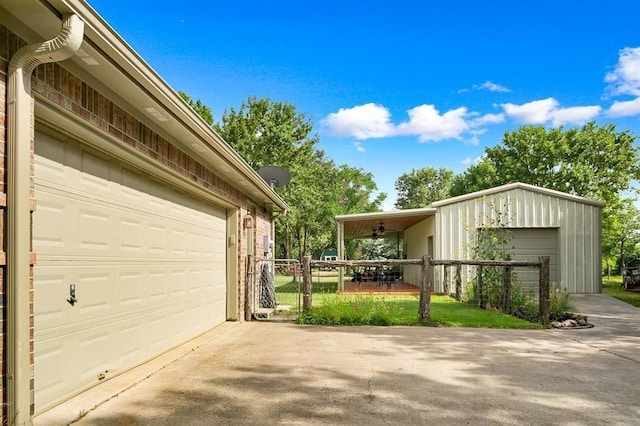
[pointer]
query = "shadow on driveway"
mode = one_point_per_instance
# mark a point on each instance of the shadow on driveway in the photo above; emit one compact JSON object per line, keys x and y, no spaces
{"x":282,"y":373}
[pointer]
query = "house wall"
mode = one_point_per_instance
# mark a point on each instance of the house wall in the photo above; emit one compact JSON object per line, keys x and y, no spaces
{"x":416,"y":239}
{"x":578,"y":224}
{"x":78,"y":98}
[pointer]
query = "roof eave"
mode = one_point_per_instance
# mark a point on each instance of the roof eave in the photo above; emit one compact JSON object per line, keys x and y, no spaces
{"x":518,"y":185}
{"x":212,"y":147}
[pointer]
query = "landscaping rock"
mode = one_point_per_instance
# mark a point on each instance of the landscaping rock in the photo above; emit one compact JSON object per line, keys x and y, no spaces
{"x":571,"y":320}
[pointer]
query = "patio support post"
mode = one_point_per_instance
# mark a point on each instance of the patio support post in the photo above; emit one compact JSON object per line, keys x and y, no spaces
{"x":341,"y":254}
{"x":425,"y":289}
{"x":543,"y":289}
{"x":306,"y":284}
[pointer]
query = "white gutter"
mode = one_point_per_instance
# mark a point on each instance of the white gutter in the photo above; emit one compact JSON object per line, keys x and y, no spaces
{"x":18,"y":168}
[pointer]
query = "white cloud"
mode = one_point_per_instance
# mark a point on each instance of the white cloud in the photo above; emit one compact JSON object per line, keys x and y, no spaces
{"x":625,"y":78}
{"x":492,"y":87}
{"x":574,"y":115}
{"x":361,"y":122}
{"x":469,"y":161}
{"x":474,"y":139}
{"x":545,"y":110}
{"x":487,"y":119}
{"x":426,"y":122}
{"x":373,"y":121}
{"x":535,"y":112}
{"x":625,"y":108}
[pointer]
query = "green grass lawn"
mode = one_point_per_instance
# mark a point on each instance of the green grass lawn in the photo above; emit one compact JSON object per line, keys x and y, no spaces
{"x":613,"y":287}
{"x":333,"y":309}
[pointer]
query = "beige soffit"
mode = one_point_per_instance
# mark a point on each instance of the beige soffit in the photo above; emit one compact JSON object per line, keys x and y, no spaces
{"x":112,"y":63}
{"x":518,"y":185}
{"x":395,"y":222}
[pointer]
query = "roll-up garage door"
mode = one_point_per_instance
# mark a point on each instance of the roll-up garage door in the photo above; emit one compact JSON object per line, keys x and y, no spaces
{"x":144,"y":262}
{"x":531,"y":243}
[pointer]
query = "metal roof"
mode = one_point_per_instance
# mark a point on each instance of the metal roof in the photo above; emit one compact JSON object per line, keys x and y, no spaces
{"x":518,"y":185}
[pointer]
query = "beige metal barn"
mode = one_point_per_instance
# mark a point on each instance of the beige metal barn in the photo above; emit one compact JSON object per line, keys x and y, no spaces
{"x":542,"y":222}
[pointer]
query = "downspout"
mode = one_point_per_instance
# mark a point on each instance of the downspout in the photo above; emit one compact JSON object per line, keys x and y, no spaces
{"x":20,"y":133}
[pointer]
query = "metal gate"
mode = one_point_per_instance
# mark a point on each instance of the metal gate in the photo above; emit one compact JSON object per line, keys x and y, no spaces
{"x":275,"y":291}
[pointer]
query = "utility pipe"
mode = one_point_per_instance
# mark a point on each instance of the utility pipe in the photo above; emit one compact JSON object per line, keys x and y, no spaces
{"x":20,"y":132}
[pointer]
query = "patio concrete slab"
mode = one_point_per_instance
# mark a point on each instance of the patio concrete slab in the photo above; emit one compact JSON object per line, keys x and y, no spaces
{"x":282,"y":373}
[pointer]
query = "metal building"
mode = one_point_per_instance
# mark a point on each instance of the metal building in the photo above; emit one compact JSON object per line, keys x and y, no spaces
{"x":541,"y":222}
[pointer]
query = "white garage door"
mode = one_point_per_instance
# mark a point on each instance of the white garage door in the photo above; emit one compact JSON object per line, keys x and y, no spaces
{"x":147,"y":263}
{"x":529,"y":245}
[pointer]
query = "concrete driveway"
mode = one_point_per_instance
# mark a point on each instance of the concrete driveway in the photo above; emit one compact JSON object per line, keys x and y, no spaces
{"x":281,"y":373}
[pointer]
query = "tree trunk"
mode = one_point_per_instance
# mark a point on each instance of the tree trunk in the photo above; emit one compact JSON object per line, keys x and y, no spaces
{"x":622,"y":265}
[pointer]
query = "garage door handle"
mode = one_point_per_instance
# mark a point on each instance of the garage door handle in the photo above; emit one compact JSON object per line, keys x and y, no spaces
{"x":72,"y":295}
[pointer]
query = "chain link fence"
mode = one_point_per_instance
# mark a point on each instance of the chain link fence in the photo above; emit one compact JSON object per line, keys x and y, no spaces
{"x":275,"y":291}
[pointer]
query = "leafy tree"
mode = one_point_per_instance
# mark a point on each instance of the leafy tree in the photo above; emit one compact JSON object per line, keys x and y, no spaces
{"x":476,"y":178}
{"x":200,"y":108}
{"x":274,"y":133}
{"x":421,"y":187}
{"x":592,"y":161}
{"x":265,"y":133}
{"x":620,"y":243}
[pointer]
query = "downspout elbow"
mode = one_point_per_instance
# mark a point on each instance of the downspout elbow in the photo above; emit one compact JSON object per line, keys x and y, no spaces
{"x":63,"y":46}
{"x":18,"y":169}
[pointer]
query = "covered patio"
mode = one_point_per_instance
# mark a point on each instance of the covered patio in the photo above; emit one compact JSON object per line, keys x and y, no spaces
{"x":378,"y":225}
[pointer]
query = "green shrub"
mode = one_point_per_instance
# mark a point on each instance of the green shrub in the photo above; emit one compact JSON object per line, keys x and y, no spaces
{"x":558,"y":303}
{"x":360,"y":310}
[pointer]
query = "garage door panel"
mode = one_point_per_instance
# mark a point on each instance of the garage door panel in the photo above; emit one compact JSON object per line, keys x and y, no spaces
{"x":529,"y":245}
{"x":96,"y":226}
{"x":147,"y":262}
{"x":130,"y":288}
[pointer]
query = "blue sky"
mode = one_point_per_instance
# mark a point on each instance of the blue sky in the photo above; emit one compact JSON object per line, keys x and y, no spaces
{"x":400,"y":84}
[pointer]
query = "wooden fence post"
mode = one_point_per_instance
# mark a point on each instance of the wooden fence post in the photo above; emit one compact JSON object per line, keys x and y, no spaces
{"x":506,"y":289}
{"x":459,"y":282}
{"x":447,"y":287}
{"x":480,"y":288}
{"x":306,"y":284}
{"x":425,"y":289}
{"x":544,"y":290}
